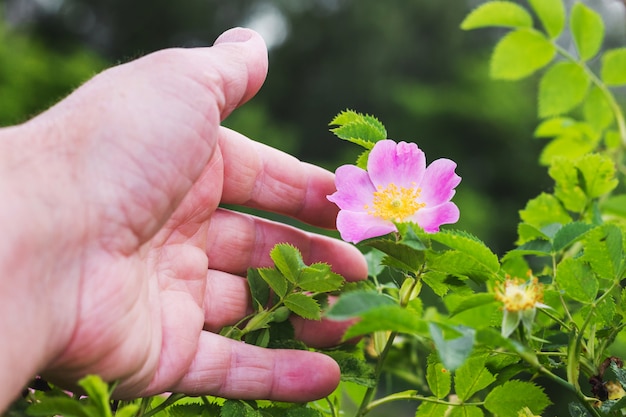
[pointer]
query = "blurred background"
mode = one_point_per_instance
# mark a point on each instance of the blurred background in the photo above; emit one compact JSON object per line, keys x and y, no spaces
{"x":405,"y":61}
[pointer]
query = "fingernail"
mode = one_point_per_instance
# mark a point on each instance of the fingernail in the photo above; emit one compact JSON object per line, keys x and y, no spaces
{"x":235,"y":35}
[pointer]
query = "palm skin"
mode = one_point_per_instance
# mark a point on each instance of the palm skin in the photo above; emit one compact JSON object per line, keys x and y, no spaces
{"x":136,"y":266}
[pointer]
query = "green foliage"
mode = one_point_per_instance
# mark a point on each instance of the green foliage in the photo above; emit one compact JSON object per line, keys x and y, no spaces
{"x":521,"y":53}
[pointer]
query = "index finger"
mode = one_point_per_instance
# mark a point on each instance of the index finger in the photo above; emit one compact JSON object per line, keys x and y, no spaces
{"x":258,"y":176}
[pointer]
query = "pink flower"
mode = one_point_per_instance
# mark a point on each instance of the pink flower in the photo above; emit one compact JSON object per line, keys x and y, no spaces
{"x":397,"y":187}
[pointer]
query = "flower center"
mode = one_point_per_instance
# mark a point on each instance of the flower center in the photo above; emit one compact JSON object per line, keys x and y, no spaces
{"x":519,"y":296}
{"x":395,"y":203}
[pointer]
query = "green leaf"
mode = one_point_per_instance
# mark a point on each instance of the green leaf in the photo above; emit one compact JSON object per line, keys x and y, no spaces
{"x":353,"y":369}
{"x":98,"y":392}
{"x":497,"y":13}
{"x":436,"y":281}
{"x":615,"y":205}
{"x":544,"y":210}
{"x":507,"y":399}
{"x":355,"y":303}
{"x":288,"y":260}
{"x":614,"y":67}
{"x":302,"y":411}
{"x":570,"y":146}
{"x":318,"y":277}
{"x":363,"y":130}
{"x":597,"y":110}
{"x":552,"y":15}
{"x":129,"y":410}
{"x":275,"y":280}
{"x":555,"y":126}
{"x":576,"y":279}
{"x":471,"y":246}
{"x":303,"y":306}
{"x":428,"y":409}
{"x":604,"y":251}
{"x":466,"y":411}
{"x":599,"y":174}
{"x":519,"y":54}
{"x":438,"y":377}
{"x":60,"y":406}
{"x":568,"y":188}
{"x":587,"y":30}
{"x":472,"y":301}
{"x":568,"y":234}
{"x":562,"y":87}
{"x":471,"y":377}
{"x":399,"y":255}
{"x":259,"y":289}
{"x":391,"y":318}
{"x":453,"y":344}
{"x":459,"y":264}
{"x":238,"y":408}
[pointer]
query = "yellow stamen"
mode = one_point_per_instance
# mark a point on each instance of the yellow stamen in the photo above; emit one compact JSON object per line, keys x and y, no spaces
{"x":395,"y":203}
{"x":518,"y":295}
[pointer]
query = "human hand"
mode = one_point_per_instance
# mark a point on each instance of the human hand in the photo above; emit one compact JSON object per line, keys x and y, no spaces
{"x":115,"y":244}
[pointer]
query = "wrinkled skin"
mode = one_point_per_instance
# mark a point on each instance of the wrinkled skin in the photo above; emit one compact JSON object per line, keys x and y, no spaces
{"x":116,"y":259}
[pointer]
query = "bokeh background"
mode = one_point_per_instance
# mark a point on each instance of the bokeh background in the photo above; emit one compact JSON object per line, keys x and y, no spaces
{"x":405,"y":61}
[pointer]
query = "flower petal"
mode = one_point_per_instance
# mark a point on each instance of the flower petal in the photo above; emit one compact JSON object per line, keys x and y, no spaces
{"x":354,"y":188}
{"x":402,"y":164}
{"x":430,"y":218}
{"x":510,"y":321}
{"x":357,"y":226}
{"x":439,"y":182}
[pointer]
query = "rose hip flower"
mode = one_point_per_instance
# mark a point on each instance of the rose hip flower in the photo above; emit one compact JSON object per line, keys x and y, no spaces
{"x":520,"y":302}
{"x":397,"y":187}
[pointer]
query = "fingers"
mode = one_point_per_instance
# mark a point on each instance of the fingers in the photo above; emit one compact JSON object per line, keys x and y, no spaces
{"x":258,"y":176}
{"x":232,"y":369}
{"x":237,"y":241}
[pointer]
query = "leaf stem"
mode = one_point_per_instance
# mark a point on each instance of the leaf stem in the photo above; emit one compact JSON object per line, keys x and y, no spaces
{"x":412,"y":395}
{"x":617,"y":111}
{"x":168,"y":401}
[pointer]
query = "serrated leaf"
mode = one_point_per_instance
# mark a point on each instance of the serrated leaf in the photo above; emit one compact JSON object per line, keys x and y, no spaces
{"x":519,"y":54}
{"x":318,"y":277}
{"x":604,"y":251}
{"x":614,"y":67}
{"x":587,"y":30}
{"x":562,"y":87}
{"x":577,"y":280}
{"x":303,"y":305}
{"x":577,"y":410}
{"x":275,"y":280}
{"x":436,"y":281}
{"x":428,"y":409}
{"x":599,"y":174}
{"x":438,"y":378}
{"x":459,"y":264}
{"x":453,"y":344}
{"x":552,"y":15}
{"x":568,"y":190}
{"x":391,"y":318}
{"x":568,"y":234}
{"x":302,"y":411}
{"x":60,"y":406}
{"x":471,"y":246}
{"x":544,"y":210}
{"x":399,"y":255}
{"x":466,"y":411}
{"x":288,"y":260}
{"x":597,"y":110}
{"x":353,"y":369}
{"x":193,"y":409}
{"x":361,"y":129}
{"x":238,"y":408}
{"x":471,"y":377}
{"x":259,"y":289}
{"x":355,"y":303}
{"x":507,"y":399}
{"x":497,"y":13}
